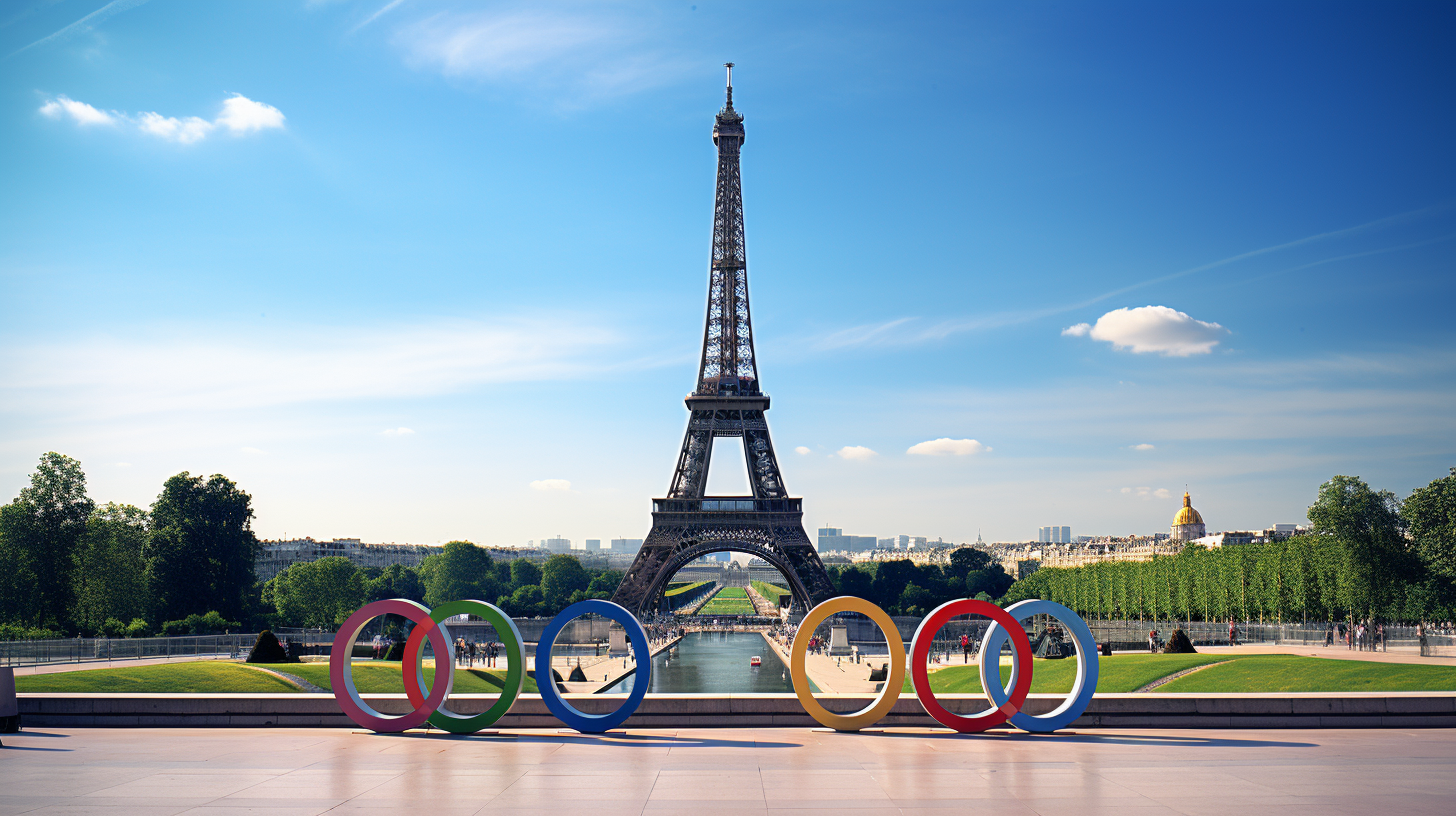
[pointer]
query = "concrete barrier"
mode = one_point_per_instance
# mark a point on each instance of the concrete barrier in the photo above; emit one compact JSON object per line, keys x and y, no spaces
{"x":1295,"y":710}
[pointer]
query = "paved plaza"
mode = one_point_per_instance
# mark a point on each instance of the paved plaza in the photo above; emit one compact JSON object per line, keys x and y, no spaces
{"x":742,"y":772}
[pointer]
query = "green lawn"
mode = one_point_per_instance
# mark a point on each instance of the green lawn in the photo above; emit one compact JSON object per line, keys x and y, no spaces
{"x":1275,"y":673}
{"x":728,"y":601}
{"x":196,"y":677}
{"x":384,"y":677}
{"x":733,"y":592}
{"x":1119,"y":673}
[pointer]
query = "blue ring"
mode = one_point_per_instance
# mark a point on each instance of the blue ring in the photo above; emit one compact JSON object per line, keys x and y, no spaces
{"x":1082,"y":690}
{"x":546,"y":683}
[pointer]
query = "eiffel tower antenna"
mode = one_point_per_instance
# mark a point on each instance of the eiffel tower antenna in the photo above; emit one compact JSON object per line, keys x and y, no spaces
{"x":727,"y":401}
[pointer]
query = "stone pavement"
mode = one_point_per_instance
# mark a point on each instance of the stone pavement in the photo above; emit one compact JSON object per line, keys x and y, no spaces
{"x":738,"y":771}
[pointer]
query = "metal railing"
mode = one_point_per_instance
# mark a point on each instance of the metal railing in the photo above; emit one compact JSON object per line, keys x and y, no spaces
{"x":91,"y":650}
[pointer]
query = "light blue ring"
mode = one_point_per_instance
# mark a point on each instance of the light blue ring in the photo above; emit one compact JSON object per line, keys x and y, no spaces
{"x":546,"y":683}
{"x":1082,"y":689}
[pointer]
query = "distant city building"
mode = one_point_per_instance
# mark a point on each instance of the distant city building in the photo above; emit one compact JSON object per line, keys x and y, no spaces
{"x":277,"y":556}
{"x":626,"y":545}
{"x":556,"y":545}
{"x":1054,"y":535}
{"x":885,"y":544}
{"x":833,"y":539}
{"x":592,"y":544}
{"x":1188,"y":524}
{"x":902,"y":542}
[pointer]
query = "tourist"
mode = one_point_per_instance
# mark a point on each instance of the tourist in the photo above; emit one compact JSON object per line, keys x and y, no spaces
{"x":1233,"y":633}
{"x":965,"y":648}
{"x":1380,"y":636}
{"x":1152,"y":640}
{"x":1330,"y":636}
{"x":1360,"y":636}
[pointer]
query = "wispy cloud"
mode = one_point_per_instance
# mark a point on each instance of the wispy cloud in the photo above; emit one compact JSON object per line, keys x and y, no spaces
{"x":240,"y":115}
{"x":551,"y":485}
{"x":856,"y":453}
{"x":911,"y":331}
{"x":86,"y":23}
{"x":382,"y":10}
{"x":579,"y":54}
{"x":1147,"y":492}
{"x":1143,"y":447}
{"x":802,"y":451}
{"x":187,"y":369}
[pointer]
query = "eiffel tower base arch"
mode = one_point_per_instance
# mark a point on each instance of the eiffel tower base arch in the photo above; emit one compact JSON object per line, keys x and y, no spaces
{"x":680,"y":537}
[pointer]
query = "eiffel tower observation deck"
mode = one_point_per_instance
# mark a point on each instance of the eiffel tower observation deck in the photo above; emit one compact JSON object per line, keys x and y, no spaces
{"x":727,"y":402}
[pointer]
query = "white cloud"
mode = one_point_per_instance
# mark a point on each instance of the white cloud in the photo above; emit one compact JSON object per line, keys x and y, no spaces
{"x":1147,"y":492}
{"x":240,"y":115}
{"x":548,"y":485}
{"x":1143,"y":447}
{"x":858,"y":452}
{"x":397,"y":432}
{"x":1152,"y":329}
{"x":802,"y":451}
{"x":948,"y":447}
{"x":186,"y":131}
{"x":80,"y":112}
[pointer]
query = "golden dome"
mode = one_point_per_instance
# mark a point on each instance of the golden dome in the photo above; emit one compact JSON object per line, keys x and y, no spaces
{"x":1187,"y":515}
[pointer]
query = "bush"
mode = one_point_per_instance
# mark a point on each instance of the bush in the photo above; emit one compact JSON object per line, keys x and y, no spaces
{"x":15,"y":631}
{"x":176,"y":628}
{"x":267,"y":649}
{"x":112,"y":628}
{"x":138,"y":628}
{"x":1178,"y":643}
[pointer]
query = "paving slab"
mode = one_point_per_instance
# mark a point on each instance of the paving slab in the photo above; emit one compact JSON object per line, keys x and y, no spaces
{"x":740,"y":771}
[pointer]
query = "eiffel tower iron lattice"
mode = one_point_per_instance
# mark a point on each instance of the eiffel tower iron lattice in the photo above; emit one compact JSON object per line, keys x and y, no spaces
{"x":727,"y":402}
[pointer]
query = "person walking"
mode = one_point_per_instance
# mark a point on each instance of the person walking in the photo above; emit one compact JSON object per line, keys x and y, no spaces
{"x":1152,"y":640}
{"x":1329,"y":636}
{"x":1233,"y":633}
{"x":965,"y":648}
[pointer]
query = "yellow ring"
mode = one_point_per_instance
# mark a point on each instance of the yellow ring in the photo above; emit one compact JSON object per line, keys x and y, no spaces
{"x":889,"y":693}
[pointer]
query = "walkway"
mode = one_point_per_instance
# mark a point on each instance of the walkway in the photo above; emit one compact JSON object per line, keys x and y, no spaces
{"x":744,"y":772}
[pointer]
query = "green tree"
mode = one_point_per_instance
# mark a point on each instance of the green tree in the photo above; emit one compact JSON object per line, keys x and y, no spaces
{"x":1366,"y":527}
{"x":1430,"y":514}
{"x":965,"y":560}
{"x":604,"y":583}
{"x":855,"y":582}
{"x":318,"y":593}
{"x":458,"y":572}
{"x":201,"y":549}
{"x":527,"y":601}
{"x":524,"y":573}
{"x":991,"y":579}
{"x":39,"y":534}
{"x":395,"y":581}
{"x":110,"y":568}
{"x":560,"y":577}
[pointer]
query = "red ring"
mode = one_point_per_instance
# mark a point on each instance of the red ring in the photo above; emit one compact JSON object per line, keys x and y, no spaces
{"x":412,"y":646}
{"x":920,"y":675}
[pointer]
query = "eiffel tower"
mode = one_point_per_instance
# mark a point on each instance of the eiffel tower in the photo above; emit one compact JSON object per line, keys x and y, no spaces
{"x":727,"y":402}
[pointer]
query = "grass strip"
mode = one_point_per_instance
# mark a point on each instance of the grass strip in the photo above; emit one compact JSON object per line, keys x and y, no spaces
{"x":195,"y":677}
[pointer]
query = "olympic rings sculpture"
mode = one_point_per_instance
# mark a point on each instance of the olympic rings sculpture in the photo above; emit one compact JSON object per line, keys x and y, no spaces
{"x":1006,"y":701}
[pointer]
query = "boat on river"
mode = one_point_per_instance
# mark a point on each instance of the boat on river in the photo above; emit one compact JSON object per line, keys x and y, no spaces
{"x":756,"y":660}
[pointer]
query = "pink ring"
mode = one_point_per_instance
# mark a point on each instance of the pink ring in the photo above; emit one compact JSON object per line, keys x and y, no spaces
{"x":341,"y":676}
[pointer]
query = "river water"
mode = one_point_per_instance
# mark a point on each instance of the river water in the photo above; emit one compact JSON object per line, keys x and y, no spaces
{"x":714,"y":662}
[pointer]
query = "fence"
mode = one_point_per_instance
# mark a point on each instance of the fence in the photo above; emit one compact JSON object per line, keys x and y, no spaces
{"x":1126,"y":635}
{"x":90,"y":650}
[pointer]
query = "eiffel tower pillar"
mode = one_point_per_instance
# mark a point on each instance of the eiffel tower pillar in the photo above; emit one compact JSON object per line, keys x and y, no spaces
{"x":686,"y":524}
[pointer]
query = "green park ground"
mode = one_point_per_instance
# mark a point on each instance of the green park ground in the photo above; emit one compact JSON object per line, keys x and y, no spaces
{"x":728,"y":601}
{"x":1118,"y":674}
{"x":226,"y":677}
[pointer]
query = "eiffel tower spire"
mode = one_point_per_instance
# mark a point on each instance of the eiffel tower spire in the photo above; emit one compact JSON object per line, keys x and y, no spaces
{"x":726,"y":402}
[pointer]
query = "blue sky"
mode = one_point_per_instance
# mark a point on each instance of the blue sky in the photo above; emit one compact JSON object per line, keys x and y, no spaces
{"x":418,"y":271}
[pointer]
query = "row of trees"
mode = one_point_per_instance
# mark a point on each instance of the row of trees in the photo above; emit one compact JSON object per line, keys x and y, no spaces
{"x":323,"y":593}
{"x":905,"y":588}
{"x":71,"y":566}
{"x":1368,"y":555}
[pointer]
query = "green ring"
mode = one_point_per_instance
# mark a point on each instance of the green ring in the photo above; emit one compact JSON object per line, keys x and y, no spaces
{"x":515,"y":650}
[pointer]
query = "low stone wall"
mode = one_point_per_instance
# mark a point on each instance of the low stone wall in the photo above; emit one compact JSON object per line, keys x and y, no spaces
{"x":1309,"y":710}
